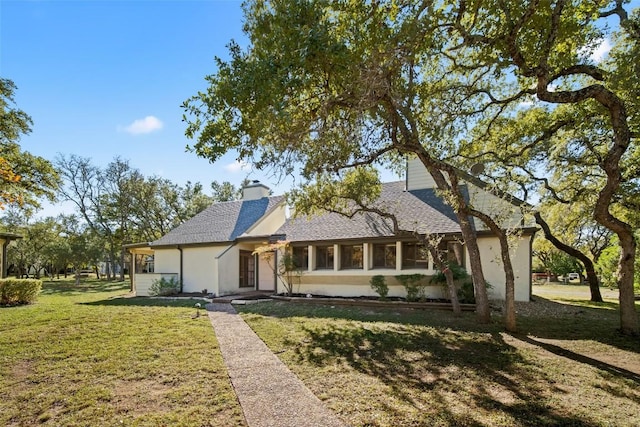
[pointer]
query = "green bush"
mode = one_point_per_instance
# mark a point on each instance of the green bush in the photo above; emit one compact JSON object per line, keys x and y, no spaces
{"x":457,"y":271}
{"x":379,"y":285}
{"x":164,"y":287}
{"x":466,"y":293}
{"x":415,"y":285}
{"x":19,"y":291}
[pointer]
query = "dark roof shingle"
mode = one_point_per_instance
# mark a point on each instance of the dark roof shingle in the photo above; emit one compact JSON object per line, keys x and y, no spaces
{"x":422,"y":211}
{"x":220,"y":222}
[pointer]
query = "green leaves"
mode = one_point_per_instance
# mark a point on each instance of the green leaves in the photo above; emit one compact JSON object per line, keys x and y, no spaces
{"x":24,"y":178}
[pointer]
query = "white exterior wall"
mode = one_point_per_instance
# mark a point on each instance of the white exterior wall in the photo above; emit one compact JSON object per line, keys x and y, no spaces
{"x":228,"y":262}
{"x":337,"y":284}
{"x":418,"y":177}
{"x":143,"y":281}
{"x":494,"y":272}
{"x":166,"y":261}
{"x":198,"y":266}
{"x":269,"y":223}
{"x":506,"y":214}
{"x":266,"y":275}
{"x":199,"y":269}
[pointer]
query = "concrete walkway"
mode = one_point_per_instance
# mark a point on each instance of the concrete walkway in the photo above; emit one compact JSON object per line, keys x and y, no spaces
{"x":269,"y":393}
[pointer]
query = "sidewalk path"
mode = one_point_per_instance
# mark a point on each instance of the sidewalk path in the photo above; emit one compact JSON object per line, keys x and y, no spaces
{"x":269,"y":393}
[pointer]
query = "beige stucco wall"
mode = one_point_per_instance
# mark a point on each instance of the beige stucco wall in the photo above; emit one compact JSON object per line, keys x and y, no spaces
{"x":199,"y":268}
{"x":417,"y":176}
{"x":269,"y":223}
{"x":167,"y":261}
{"x":493,"y":269}
{"x":353,"y":283}
{"x":504,"y":213}
{"x":143,"y":281}
{"x":228,"y":270}
{"x":266,"y":273}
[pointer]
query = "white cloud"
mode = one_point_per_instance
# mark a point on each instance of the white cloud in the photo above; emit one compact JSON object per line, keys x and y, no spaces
{"x":236,"y":166}
{"x":601,"y":51}
{"x":147,"y":125}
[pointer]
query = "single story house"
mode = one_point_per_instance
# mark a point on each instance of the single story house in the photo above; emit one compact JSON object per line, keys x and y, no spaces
{"x":214,"y":251}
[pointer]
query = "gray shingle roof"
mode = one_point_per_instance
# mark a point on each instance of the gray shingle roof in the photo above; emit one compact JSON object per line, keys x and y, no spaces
{"x":418,"y":210}
{"x":220,"y":222}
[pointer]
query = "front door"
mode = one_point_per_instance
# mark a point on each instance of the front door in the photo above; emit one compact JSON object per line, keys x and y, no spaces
{"x":247,"y":269}
{"x":266,"y":273}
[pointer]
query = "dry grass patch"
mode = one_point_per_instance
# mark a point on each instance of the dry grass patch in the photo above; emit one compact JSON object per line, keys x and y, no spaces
{"x":426,"y":368}
{"x":92,"y":356}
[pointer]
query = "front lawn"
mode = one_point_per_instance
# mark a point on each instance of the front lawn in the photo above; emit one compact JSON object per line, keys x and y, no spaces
{"x":86,"y":356}
{"x":384,"y":367}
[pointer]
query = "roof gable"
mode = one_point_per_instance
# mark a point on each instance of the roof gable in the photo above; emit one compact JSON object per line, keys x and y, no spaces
{"x":220,"y":222}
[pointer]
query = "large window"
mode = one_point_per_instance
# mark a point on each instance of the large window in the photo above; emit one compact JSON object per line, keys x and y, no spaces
{"x":414,"y":255}
{"x":351,"y":256}
{"x":384,"y":255}
{"x":300,"y":257}
{"x":324,"y":257}
{"x":452,"y":251}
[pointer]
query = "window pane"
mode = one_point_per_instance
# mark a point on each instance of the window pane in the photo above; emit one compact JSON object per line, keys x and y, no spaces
{"x":414,"y":255}
{"x":352,"y":256}
{"x":324,"y":257}
{"x":301,"y":257}
{"x":384,"y":255}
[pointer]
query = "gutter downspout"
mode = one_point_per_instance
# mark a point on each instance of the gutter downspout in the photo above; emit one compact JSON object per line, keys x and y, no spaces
{"x":531,"y":265}
{"x":181,"y":279}
{"x":275,"y":270}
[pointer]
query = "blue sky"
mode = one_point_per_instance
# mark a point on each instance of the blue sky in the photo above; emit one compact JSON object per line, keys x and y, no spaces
{"x":106,"y":78}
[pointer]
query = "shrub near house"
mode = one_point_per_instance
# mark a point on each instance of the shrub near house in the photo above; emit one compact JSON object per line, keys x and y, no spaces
{"x":19,"y":291}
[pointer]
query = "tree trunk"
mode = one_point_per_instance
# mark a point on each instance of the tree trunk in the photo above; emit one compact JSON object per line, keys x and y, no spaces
{"x":510,"y":287}
{"x":122,"y":263}
{"x":507,"y":266}
{"x":483,"y":312}
{"x":594,"y":286}
{"x":628,"y":315}
{"x":451,"y":285}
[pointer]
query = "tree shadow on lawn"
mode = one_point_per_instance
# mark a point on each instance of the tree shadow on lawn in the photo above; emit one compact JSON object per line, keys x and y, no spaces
{"x":68,"y":287}
{"x":573,"y":320}
{"x":581,"y":358}
{"x":148,"y":302}
{"x":444,"y":342}
{"x":431,"y":367}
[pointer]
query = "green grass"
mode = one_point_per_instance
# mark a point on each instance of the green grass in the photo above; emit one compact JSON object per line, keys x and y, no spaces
{"x":90,"y":355}
{"x":380,"y":367}
{"x":87,"y":356}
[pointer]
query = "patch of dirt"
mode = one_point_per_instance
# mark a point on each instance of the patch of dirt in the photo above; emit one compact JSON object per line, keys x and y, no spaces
{"x":20,"y":373}
{"x":140,"y":396}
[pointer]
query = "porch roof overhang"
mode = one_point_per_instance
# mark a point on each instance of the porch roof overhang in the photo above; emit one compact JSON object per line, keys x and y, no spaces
{"x":10,"y":236}
{"x":143,"y":248}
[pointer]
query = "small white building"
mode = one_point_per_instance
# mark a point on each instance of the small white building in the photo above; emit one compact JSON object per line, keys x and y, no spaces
{"x":213,"y":251}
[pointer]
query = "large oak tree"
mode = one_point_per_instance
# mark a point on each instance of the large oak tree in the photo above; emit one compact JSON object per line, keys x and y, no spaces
{"x":332,"y":85}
